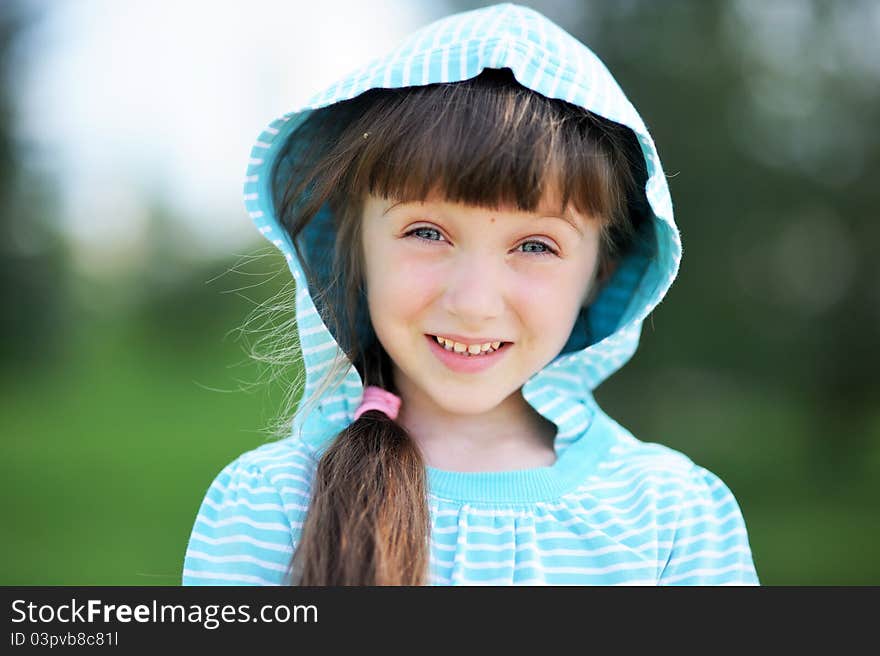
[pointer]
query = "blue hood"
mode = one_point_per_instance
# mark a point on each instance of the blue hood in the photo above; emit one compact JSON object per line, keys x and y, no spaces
{"x":542,"y":57}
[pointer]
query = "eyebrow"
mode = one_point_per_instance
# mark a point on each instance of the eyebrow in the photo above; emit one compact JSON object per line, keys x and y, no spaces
{"x":565,"y":216}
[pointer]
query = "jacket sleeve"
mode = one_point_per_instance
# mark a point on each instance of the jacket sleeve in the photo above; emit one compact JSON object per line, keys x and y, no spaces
{"x":242,"y":534}
{"x":710,"y":544}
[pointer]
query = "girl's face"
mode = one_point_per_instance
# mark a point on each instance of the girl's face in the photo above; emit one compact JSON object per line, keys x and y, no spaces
{"x":447,"y":269}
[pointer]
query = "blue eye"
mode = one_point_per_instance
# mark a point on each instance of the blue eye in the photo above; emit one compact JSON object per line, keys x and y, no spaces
{"x":414,"y":230}
{"x":548,"y":251}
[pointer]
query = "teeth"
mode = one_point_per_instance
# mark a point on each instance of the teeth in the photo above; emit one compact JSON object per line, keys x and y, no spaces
{"x":473,"y":349}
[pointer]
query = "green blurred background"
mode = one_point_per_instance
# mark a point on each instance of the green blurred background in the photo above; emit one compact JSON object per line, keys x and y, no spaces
{"x":126,"y":378}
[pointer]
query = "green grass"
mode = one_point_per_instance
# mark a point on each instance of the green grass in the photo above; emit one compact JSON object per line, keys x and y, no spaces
{"x":106,"y":458}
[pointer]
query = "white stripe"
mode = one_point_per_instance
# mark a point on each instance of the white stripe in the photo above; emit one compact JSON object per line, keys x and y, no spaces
{"x":530,"y":44}
{"x":710,"y":553}
{"x":536,"y":394}
{"x":594,"y":492}
{"x":320,"y":348}
{"x":289,"y":477}
{"x":229,"y":471}
{"x":279,"y":451}
{"x":443,"y":547}
{"x":318,"y":368}
{"x":254,"y":506}
{"x":444,"y":63}
{"x":595,"y":484}
{"x":314,"y":330}
{"x":281,"y":465}
{"x":738,"y":583}
{"x":733,"y":514}
{"x":651,"y":527}
{"x":564,"y":57}
{"x":244,"y":539}
{"x":491,"y":33}
{"x":708,"y":535}
{"x":414,"y":50}
{"x":305,"y":494}
{"x":672,"y":464}
{"x":429,"y":54}
{"x":650,"y":510}
{"x":576,"y":430}
{"x":234,"y":487}
{"x":608,"y":502}
{"x":307,"y":313}
{"x":337,"y":398}
{"x":532,"y":547}
{"x":265,"y":564}
{"x":244,"y":502}
{"x":539,"y":73}
{"x":559,"y":375}
{"x":574,"y":411}
{"x":245,"y":578}
{"x":709,"y":571}
{"x":242,"y":519}
{"x":545,"y":569}
{"x":544,"y":409}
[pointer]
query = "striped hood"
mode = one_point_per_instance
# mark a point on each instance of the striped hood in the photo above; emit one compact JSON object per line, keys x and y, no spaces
{"x":545,"y":58}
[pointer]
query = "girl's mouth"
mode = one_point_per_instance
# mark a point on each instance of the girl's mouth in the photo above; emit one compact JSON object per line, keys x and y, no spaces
{"x":465,"y":362}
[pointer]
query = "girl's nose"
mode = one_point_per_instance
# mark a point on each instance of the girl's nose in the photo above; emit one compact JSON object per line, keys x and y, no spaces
{"x":475,"y":292}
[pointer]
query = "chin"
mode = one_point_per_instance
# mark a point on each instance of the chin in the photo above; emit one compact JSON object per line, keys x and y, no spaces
{"x":465,"y":401}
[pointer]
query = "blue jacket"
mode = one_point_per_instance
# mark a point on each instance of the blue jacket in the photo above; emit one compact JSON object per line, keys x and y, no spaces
{"x":612,"y":509}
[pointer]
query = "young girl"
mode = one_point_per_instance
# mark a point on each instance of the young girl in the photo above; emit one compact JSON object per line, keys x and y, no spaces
{"x":477,"y":225}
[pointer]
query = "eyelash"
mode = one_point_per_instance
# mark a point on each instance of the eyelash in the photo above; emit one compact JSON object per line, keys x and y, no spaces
{"x":549,"y":251}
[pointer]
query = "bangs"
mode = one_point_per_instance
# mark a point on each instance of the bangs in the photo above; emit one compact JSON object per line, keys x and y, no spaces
{"x":490,"y":143}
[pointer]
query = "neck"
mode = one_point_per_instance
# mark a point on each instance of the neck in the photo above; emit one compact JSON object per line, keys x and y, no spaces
{"x":512,"y":435}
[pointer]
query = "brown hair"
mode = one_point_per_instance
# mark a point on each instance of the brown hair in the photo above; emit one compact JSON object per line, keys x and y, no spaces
{"x":486,"y":141}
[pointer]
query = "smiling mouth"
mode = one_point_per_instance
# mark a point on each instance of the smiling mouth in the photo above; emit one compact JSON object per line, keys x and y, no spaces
{"x":466,"y":352}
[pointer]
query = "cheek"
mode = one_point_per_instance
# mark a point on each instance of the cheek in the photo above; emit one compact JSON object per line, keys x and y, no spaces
{"x":401,"y":286}
{"x":548,"y":303}
{"x":547,"y":300}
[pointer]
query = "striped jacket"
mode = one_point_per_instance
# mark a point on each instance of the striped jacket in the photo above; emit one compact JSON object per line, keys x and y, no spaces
{"x":612,"y":510}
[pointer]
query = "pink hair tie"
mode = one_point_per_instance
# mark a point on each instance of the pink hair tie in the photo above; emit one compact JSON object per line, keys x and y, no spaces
{"x":376,"y":398}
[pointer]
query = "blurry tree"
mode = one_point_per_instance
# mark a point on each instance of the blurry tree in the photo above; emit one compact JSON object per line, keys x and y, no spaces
{"x":175,"y":296}
{"x":33,"y":260}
